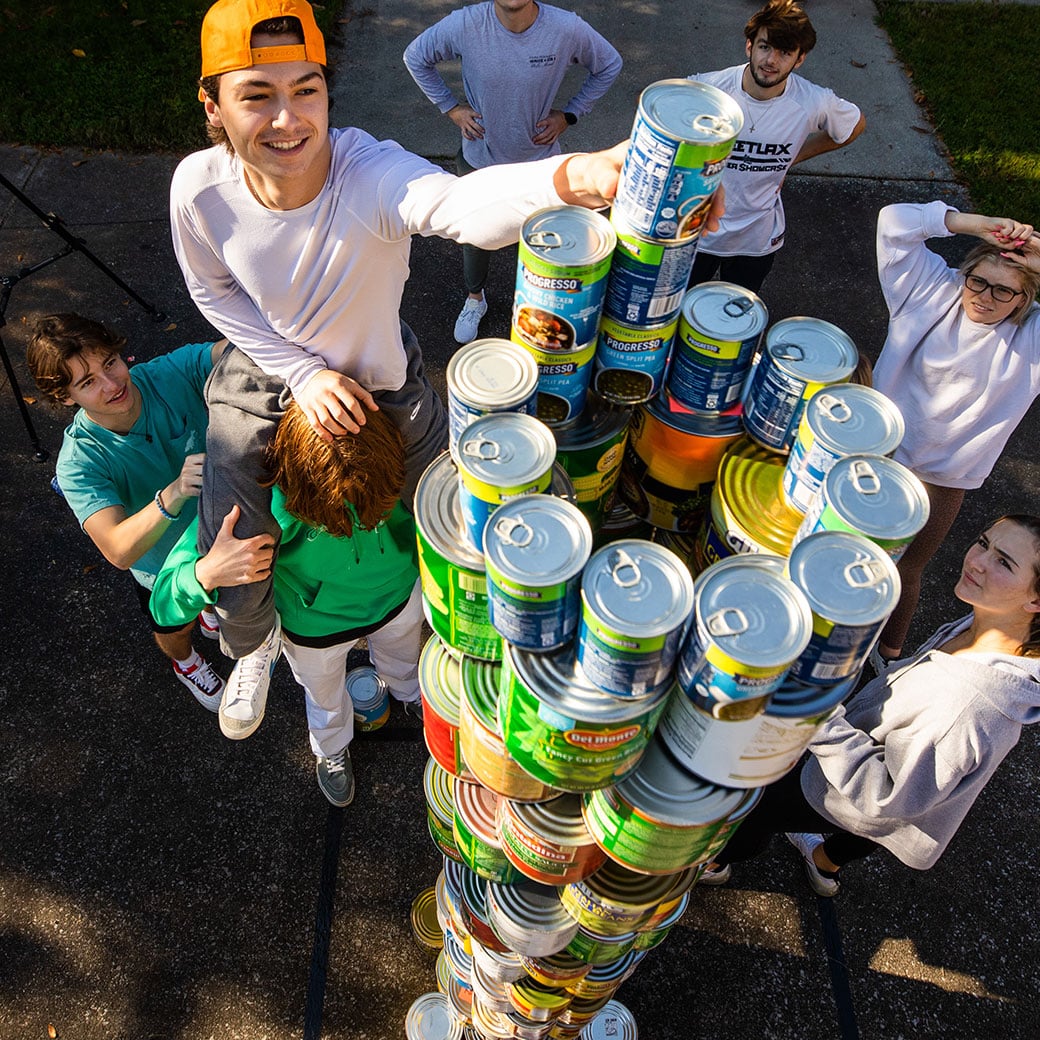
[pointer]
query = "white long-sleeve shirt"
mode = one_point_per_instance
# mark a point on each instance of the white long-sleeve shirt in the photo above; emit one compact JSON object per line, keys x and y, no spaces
{"x":962,"y":386}
{"x":320,"y":286}
{"x":511,"y":78}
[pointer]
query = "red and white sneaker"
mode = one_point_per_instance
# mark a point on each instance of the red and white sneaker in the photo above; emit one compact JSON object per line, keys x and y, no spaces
{"x":206,"y":686}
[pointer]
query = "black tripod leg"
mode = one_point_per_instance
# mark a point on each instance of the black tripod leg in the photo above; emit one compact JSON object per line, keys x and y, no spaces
{"x":41,"y":453}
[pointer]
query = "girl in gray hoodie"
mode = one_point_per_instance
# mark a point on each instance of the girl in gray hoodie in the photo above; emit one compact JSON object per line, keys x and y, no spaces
{"x":899,"y":766}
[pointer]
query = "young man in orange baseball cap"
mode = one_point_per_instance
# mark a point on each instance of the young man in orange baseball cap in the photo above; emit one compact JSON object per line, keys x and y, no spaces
{"x":294,"y":239}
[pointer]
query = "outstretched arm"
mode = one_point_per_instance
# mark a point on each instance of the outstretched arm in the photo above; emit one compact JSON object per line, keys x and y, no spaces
{"x":820,"y":142}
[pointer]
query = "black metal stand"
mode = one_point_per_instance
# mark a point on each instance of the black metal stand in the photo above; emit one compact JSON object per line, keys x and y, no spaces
{"x":8,"y":282}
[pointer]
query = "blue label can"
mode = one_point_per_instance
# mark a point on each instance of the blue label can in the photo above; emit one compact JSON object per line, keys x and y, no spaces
{"x":631,"y":360}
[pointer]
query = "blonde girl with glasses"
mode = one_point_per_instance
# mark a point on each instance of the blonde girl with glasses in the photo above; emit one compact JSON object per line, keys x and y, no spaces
{"x":961,"y":360}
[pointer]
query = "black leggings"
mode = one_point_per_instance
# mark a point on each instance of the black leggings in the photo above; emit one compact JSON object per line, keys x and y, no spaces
{"x":748,"y":271}
{"x":782,"y":810}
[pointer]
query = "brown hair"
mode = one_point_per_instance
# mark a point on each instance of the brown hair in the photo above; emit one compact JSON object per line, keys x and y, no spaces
{"x":58,"y":338}
{"x":1031,"y":523}
{"x":364,"y":469}
{"x":1030,"y":278}
{"x":288,"y":26}
{"x":787,"y":26}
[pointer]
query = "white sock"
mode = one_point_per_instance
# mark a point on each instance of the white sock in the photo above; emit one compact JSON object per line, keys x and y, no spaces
{"x":190,"y":663}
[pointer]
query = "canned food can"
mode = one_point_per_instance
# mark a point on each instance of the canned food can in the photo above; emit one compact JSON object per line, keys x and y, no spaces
{"x":454,"y":583}
{"x":585,"y":1008}
{"x":535,"y":548}
{"x":497,"y":966}
{"x":614,"y":1021}
{"x":489,"y":993}
{"x":648,"y":277}
{"x":476,"y":833}
{"x":590,"y":449}
{"x":751,"y":752}
{"x":536,"y":1001}
{"x":473,"y":903}
{"x":660,"y":819}
{"x":870,"y":495}
{"x":654,"y":932}
{"x":370,"y":697}
{"x":682,"y":135}
{"x":747,"y":511}
{"x":800,"y":356}
{"x":501,"y":457}
{"x":596,"y":949}
{"x":847,"y":419}
{"x":440,"y":808}
{"x":750,"y":624}
{"x":563,"y":730}
{"x":549,"y":842}
{"x":602,"y":982}
{"x":636,"y":598}
{"x":720,"y":326}
{"x":630,"y":360}
{"x":482,"y":743}
{"x":616,"y":899}
{"x":852,"y":587}
{"x":529,"y":918}
{"x":425,"y":926}
{"x":440,"y":684}
{"x":671,"y":461}
{"x":559,"y":969}
{"x":620,"y":522}
{"x":431,"y":1017}
{"x":489,"y":375}
{"x":460,"y":963}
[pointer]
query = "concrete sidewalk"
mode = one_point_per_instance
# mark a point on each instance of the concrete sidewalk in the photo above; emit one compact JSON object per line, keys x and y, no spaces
{"x":158,"y":882}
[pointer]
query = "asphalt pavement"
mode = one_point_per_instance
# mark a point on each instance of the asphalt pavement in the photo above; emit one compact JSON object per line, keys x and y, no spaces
{"x":158,"y":881}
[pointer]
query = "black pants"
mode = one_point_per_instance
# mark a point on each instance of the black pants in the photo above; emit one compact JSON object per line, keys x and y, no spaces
{"x":748,"y":271}
{"x":476,"y":262}
{"x":782,"y":810}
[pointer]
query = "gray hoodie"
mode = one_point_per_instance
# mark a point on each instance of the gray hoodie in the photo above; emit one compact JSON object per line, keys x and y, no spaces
{"x":905,"y":759}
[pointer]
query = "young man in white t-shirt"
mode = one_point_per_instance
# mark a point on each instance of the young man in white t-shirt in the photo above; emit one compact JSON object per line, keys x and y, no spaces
{"x":787,"y":120}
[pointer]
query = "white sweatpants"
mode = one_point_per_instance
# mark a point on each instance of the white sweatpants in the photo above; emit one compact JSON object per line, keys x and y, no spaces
{"x":394,"y":650}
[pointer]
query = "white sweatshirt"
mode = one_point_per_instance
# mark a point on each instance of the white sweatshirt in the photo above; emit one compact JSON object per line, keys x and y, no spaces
{"x":320,"y":286}
{"x":962,"y":387}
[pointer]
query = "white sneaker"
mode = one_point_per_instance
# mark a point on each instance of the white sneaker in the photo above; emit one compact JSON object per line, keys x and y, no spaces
{"x":468,"y":321}
{"x":206,"y":686}
{"x":245,"y":696}
{"x":818,"y":882}
{"x":714,"y":874}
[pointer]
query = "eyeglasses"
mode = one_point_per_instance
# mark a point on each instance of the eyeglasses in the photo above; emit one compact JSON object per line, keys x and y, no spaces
{"x":1000,"y":293}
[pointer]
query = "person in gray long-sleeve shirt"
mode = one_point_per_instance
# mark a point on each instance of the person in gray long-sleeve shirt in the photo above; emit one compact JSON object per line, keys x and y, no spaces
{"x":514,"y":55}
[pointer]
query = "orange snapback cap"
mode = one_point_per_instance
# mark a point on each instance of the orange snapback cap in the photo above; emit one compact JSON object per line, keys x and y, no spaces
{"x":228,"y":25}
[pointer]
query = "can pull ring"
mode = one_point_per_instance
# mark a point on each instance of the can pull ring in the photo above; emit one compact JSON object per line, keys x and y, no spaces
{"x":737,"y":306}
{"x":864,"y":479}
{"x":548,"y":240}
{"x":620,"y":561}
{"x":864,"y":574}
{"x":513,"y":531}
{"x":835,"y":407}
{"x":787,"y":352}
{"x":730,"y":621}
{"x":482,"y":449}
{"x":707,"y":123}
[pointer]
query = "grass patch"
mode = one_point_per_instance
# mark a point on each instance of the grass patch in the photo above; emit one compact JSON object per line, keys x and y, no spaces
{"x":973,"y":65}
{"x":105,"y":73}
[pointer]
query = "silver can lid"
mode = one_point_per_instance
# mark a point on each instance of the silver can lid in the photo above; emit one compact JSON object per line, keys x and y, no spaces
{"x":756,"y":617}
{"x":637,"y":588}
{"x":493,"y":373}
{"x":691,"y":111}
{"x":877,"y":496}
{"x":507,"y":449}
{"x":614,"y":885}
{"x":569,"y":236}
{"x":431,"y":1017}
{"x":614,"y":1022}
{"x":365,"y":685}
{"x":530,"y":907}
{"x":438,"y":515}
{"x":812,"y":350}
{"x":846,"y":578}
{"x":724,"y":311}
{"x":537,"y":540}
{"x":854,"y":420}
{"x":558,"y":820}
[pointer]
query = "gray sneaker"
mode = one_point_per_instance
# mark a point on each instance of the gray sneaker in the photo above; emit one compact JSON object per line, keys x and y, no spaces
{"x":245,"y":696}
{"x":468,"y":321}
{"x":336,"y":778}
{"x":413,"y":709}
{"x":714,"y":874}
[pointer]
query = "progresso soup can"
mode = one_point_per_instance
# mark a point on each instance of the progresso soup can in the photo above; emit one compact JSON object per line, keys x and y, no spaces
{"x":451,"y":569}
{"x":631,"y":360}
{"x":871,"y":495}
{"x":750,"y":624}
{"x":636,"y":597}
{"x":720,"y":326}
{"x":682,"y":135}
{"x":852,"y":587}
{"x":489,"y":375}
{"x":564,"y":257}
{"x":648,"y":277}
{"x":501,"y":457}
{"x":800,"y":356}
{"x":671,"y":461}
{"x":847,"y":419}
{"x":590,"y":449}
{"x":535,"y":548}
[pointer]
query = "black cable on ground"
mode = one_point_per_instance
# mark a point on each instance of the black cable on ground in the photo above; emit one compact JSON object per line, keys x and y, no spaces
{"x":838,"y":969}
